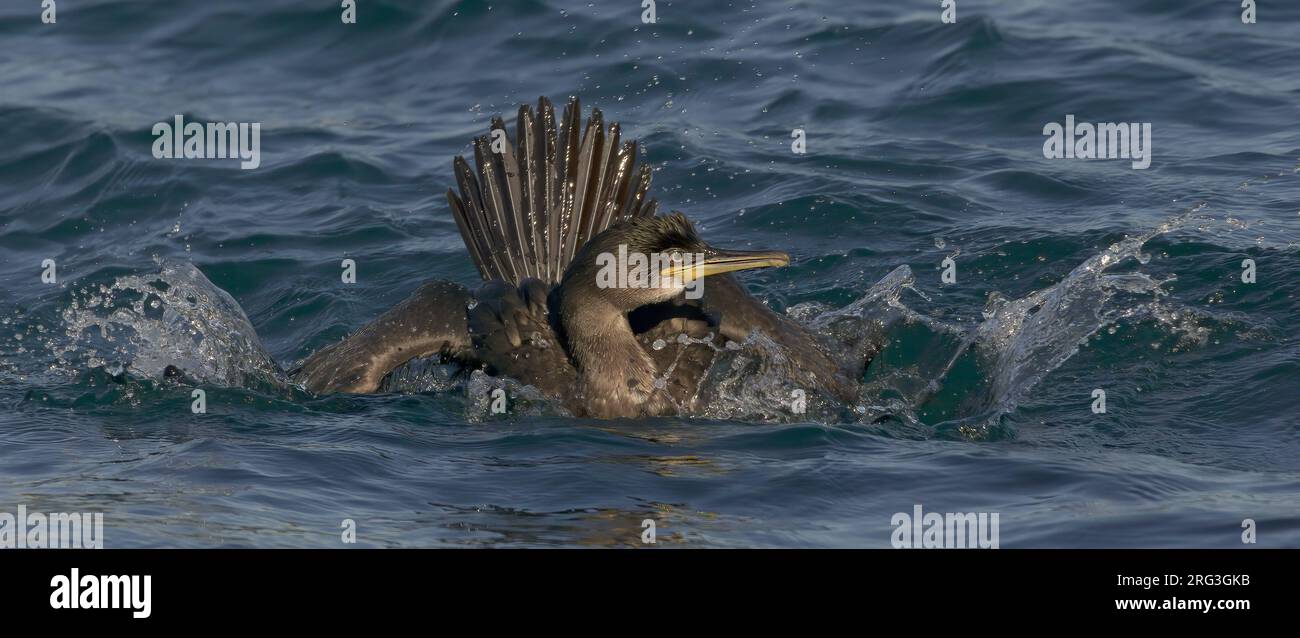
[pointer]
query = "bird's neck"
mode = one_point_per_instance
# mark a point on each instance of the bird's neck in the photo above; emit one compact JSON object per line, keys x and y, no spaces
{"x":615,"y":375}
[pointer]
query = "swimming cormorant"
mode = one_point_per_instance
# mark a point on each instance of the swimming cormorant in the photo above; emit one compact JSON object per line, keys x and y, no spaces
{"x":541,"y":217}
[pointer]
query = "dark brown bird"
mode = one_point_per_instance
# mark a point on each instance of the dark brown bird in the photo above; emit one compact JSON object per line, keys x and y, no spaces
{"x":547,"y":222}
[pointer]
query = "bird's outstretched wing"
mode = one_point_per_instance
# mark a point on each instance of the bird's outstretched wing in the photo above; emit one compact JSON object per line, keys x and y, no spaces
{"x":528,"y":207}
{"x":432,"y":321}
{"x":740,"y":313}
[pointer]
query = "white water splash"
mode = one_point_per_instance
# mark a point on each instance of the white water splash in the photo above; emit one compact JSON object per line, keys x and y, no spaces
{"x":143,"y":324}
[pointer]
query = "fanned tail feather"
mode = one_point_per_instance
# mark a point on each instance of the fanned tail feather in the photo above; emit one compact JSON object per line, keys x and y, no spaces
{"x":526,"y":211}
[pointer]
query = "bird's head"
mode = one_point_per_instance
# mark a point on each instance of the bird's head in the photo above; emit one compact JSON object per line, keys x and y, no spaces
{"x":648,"y":260}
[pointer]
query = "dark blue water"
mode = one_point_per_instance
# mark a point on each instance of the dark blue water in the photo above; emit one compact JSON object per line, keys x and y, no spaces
{"x":924,"y":142}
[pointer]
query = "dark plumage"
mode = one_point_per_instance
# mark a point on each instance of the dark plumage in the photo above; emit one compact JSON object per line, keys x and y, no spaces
{"x":541,"y":219}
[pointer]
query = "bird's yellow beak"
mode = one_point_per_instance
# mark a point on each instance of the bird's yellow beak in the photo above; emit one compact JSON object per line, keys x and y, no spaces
{"x":716,"y":262}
